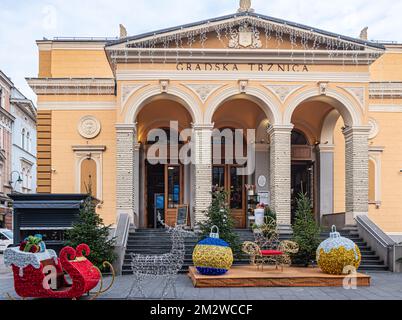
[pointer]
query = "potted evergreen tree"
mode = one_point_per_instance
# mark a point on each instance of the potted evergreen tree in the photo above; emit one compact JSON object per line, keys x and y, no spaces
{"x":91,"y":230}
{"x":219,"y":215}
{"x":306,"y":232}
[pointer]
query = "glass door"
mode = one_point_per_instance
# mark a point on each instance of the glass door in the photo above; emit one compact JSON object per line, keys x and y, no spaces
{"x":173,"y":191}
{"x":225,"y":177}
{"x":164,"y":193}
{"x":237,"y":197}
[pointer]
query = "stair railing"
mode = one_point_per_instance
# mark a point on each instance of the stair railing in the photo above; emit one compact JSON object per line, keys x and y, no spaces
{"x":121,"y":234}
{"x":377,"y":240}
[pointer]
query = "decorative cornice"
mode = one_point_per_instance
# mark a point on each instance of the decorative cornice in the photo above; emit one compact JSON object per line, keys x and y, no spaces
{"x":387,"y":108}
{"x":64,"y":86}
{"x":146,"y":75}
{"x":174,"y":55}
{"x":76,"y":105}
{"x":87,"y":148}
{"x":26,"y":161}
{"x":203,"y":90}
{"x":283,"y":91}
{"x":126,"y":127}
{"x":26,"y":106}
{"x":380,"y":90}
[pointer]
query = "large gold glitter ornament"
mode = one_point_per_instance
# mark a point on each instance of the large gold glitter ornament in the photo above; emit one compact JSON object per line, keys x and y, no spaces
{"x":337,"y":254}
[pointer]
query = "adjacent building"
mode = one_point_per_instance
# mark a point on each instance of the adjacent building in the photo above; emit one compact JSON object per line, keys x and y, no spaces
{"x":17,"y":146}
{"x":6,"y":127}
{"x":326,"y":109}
{"x":23,"y":175}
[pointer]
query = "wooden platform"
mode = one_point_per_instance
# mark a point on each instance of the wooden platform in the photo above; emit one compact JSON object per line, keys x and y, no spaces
{"x":249,"y":276}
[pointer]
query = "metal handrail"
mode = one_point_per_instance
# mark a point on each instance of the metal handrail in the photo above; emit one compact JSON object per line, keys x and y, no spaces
{"x":384,"y":240}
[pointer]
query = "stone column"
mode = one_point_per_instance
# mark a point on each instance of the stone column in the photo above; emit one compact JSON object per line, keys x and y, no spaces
{"x":357,"y":172}
{"x":280,"y":175}
{"x":202,"y":148}
{"x":326,"y":184}
{"x":126,"y":140}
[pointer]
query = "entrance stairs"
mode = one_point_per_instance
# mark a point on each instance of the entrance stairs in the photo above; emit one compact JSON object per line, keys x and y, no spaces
{"x":157,"y":241}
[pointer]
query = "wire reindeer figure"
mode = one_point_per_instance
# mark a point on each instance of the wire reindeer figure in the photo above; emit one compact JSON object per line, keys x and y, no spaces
{"x":166,"y":266}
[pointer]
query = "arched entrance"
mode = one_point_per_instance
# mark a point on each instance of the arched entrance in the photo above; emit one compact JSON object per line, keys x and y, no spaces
{"x":166,"y":181}
{"x":231,"y":123}
{"x":333,"y":124}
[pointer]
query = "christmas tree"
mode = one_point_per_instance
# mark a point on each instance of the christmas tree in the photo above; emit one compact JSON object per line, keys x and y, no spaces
{"x":91,"y":230}
{"x":219,"y":215}
{"x":306,"y":232}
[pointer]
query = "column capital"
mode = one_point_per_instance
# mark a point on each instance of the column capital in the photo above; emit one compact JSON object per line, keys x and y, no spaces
{"x":285,"y":128}
{"x":358,"y":130}
{"x":201,"y":126}
{"x":326,"y":148}
{"x":126,"y":127}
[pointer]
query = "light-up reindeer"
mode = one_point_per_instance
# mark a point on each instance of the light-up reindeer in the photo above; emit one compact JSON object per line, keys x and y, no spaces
{"x":166,"y":265}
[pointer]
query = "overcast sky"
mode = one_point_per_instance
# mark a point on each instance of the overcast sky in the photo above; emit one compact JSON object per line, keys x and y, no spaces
{"x":24,"y":21}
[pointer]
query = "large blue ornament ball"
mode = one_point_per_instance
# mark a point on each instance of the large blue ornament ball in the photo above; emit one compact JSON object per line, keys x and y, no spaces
{"x":212,"y":257}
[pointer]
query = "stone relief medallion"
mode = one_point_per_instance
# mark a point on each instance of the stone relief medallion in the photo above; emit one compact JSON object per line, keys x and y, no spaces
{"x":89,"y":127}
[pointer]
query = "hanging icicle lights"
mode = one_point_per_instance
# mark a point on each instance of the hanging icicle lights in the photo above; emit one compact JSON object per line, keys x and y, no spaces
{"x":305,"y":44}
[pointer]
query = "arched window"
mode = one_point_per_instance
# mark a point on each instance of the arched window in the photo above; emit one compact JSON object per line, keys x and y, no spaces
{"x":88,"y":177}
{"x":23,"y":139}
{"x":28,"y":141}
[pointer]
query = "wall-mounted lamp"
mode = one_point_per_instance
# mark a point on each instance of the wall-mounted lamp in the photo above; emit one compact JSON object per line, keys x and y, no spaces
{"x":19,"y":179}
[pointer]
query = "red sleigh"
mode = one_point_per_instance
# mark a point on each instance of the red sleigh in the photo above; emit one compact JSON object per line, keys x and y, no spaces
{"x":37,"y":275}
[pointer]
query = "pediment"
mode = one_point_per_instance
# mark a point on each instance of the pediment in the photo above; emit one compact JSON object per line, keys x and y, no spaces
{"x":243,"y":35}
{"x":244,"y":30}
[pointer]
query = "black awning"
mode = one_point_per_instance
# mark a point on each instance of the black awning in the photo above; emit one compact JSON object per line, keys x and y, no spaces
{"x":47,"y":205}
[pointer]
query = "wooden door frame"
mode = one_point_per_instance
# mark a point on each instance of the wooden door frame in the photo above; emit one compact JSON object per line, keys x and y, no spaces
{"x":181,"y":200}
{"x":244,"y":209}
{"x":227,"y":188}
{"x":172,"y":211}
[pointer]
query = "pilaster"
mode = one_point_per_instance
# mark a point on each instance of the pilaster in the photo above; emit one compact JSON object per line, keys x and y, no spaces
{"x":280,"y":175}
{"x":357,"y":172}
{"x":126,"y":171}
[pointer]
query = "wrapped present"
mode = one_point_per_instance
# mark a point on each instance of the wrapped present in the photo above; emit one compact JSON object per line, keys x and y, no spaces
{"x":33,"y":244}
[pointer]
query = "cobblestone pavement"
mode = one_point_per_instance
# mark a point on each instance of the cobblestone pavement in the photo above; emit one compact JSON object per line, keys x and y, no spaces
{"x":385,"y":286}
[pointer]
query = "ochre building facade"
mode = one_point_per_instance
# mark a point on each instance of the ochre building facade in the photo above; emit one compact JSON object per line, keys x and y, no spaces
{"x":327,"y":111}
